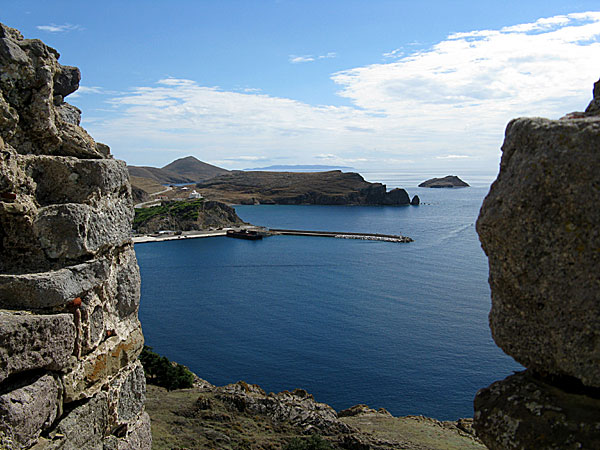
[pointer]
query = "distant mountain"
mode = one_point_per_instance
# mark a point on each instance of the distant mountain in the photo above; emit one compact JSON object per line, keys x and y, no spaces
{"x":301,"y":168}
{"x":194,"y":169}
{"x":184,"y":170}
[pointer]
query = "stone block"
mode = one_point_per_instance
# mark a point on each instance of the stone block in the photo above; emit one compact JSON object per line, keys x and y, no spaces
{"x":72,"y":231}
{"x":83,"y":427}
{"x":30,"y":342}
{"x":95,"y":369}
{"x":539,"y":228}
{"x":523,"y":412}
{"x":54,"y":288}
{"x":138,"y":437}
{"x":73,"y":180}
{"x":128,"y":394}
{"x":28,"y":408}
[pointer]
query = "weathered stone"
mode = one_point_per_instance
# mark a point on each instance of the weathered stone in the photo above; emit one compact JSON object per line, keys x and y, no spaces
{"x":28,"y":408}
{"x":523,"y":412}
{"x":66,"y":80}
{"x":82,"y":428}
{"x":71,"y":231}
{"x":69,"y":113}
{"x":65,"y":248}
{"x":92,"y":372}
{"x":539,"y":228}
{"x":298,"y":407}
{"x":71,"y":180}
{"x":593,"y":108}
{"x":51,"y":289}
{"x":35,"y":342}
{"x":127,"y":283}
{"x":415,"y":200}
{"x":137,"y":437}
{"x":129,"y":390}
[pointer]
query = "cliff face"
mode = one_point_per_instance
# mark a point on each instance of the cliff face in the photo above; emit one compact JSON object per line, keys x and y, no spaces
{"x":539,"y":228}
{"x":69,"y":280}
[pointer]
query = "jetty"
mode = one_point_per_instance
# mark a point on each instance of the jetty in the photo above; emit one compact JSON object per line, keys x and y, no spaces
{"x":343,"y":235}
{"x":264,"y":232}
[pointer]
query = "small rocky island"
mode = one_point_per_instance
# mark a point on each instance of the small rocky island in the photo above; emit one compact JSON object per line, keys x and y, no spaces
{"x":450,"y":181}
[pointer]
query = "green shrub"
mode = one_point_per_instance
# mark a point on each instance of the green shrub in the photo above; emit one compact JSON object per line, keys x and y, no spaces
{"x":162,"y":372}
{"x":315,"y":442}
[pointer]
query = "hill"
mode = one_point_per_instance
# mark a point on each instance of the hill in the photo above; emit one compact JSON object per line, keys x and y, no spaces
{"x":183,"y":170}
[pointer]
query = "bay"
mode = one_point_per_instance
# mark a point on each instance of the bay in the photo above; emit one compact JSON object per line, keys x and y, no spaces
{"x":400,"y":326}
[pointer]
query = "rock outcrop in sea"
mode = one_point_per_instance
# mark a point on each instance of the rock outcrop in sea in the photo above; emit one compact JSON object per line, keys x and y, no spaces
{"x":539,"y":227}
{"x":449,"y":181}
{"x":69,"y":280}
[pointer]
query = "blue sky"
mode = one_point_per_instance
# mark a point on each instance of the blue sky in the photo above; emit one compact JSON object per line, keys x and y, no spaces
{"x":377,"y":85}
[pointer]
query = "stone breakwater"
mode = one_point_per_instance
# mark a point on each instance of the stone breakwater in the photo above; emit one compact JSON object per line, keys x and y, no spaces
{"x":69,"y":280}
{"x":539,"y":227}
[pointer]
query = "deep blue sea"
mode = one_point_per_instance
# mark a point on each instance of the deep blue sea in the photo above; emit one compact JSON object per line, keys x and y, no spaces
{"x":400,"y":326}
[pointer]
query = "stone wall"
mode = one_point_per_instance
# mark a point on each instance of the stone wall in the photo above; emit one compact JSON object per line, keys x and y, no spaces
{"x":69,"y":280}
{"x":539,"y":226}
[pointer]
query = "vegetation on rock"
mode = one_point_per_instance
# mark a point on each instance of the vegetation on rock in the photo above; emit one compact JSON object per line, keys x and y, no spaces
{"x":315,"y":442}
{"x":162,"y":372}
{"x":185,"y":215}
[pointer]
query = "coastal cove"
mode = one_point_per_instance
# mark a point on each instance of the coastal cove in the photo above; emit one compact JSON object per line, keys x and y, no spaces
{"x":401,"y":327}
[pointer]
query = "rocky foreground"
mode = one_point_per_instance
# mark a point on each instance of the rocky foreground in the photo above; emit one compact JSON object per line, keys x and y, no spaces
{"x":243,"y":416}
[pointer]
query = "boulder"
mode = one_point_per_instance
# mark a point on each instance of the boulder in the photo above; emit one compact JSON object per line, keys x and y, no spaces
{"x":415,"y":201}
{"x":29,"y":407}
{"x":525,"y":412}
{"x":29,"y":342}
{"x":541,"y":236}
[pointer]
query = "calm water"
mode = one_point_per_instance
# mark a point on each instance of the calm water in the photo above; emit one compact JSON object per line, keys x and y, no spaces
{"x":400,"y":326}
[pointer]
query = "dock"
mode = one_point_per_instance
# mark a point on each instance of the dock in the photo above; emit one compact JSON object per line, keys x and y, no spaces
{"x":165,"y":236}
{"x":343,"y":235}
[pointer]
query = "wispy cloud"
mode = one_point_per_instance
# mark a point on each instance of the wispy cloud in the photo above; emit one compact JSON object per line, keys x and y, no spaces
{"x":447,"y":104}
{"x":294,"y":59}
{"x":301,"y":59}
{"x":453,"y":157}
{"x":397,"y":53}
{"x":54,"y":28}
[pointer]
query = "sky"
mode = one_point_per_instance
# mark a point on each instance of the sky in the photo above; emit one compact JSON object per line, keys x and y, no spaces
{"x":378,"y":85}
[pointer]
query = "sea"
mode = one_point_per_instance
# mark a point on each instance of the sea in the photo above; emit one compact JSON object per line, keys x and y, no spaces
{"x":392,"y":325}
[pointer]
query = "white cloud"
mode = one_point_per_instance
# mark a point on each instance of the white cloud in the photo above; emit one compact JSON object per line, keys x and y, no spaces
{"x":83,"y":90}
{"x":53,"y":28}
{"x":453,"y":157}
{"x":294,"y":59}
{"x":447,"y":104}
{"x":301,"y":59}
{"x":397,"y":53}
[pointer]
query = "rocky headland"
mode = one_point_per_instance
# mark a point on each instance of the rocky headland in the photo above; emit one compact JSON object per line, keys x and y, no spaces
{"x":450,"y":181}
{"x":540,"y":231}
{"x":297,"y":188}
{"x":69,"y":281}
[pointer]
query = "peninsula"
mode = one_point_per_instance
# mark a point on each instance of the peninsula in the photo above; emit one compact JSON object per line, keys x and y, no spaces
{"x":332,"y":187}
